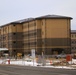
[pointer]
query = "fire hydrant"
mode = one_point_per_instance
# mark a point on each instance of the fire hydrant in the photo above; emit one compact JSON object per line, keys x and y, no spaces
{"x":8,"y":61}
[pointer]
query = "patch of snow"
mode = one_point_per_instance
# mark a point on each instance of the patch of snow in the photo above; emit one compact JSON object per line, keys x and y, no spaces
{"x":29,"y":62}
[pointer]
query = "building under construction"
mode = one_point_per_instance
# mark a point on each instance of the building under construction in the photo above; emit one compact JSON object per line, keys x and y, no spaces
{"x":50,"y":34}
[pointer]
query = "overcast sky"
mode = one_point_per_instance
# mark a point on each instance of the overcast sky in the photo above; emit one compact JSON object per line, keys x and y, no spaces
{"x":12,"y":10}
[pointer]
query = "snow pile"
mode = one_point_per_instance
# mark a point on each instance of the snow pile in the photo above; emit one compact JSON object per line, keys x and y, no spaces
{"x":74,"y":61}
{"x":30,"y":62}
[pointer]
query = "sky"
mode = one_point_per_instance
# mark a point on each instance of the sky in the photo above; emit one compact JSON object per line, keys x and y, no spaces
{"x":12,"y":10}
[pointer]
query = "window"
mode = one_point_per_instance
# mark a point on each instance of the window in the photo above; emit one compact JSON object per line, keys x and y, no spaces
{"x":14,"y":50}
{"x":75,"y":42}
{"x":23,"y":44}
{"x":33,"y":43}
{"x":72,"y":48}
{"x":14,"y":25}
{"x":14,"y":33}
{"x":28,"y":43}
{"x":14,"y":42}
{"x":35,"y":33}
{"x":72,"y":42}
{"x":75,"y":47}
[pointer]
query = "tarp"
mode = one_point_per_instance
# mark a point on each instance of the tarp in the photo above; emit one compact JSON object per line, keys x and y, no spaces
{"x":3,"y":49}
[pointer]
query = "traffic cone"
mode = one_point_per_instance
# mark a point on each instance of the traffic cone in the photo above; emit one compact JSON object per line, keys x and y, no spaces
{"x":51,"y":62}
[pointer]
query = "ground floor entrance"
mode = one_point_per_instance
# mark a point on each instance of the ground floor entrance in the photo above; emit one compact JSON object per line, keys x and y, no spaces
{"x":57,"y":51}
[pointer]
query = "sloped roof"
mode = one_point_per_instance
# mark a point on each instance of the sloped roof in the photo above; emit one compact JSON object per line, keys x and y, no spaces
{"x":19,"y":21}
{"x":53,"y":16}
{"x":23,"y":20}
{"x":41,"y":17}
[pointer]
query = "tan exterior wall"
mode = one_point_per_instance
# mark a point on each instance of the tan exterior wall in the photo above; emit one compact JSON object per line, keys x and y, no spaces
{"x":38,"y":24}
{"x":25,"y":27}
{"x":31,"y":25}
{"x":10,"y":28}
{"x":16,"y":28}
{"x":2,"y":31}
{"x":57,"y":28}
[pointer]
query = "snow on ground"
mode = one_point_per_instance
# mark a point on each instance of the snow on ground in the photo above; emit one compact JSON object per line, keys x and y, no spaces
{"x":30,"y":62}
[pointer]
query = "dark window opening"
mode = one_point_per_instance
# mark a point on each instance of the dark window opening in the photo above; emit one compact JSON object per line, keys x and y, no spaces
{"x":72,"y":42}
{"x":14,"y":25}
{"x":14,"y":50}
{"x":72,"y":47}
{"x":75,"y":47}
{"x":14,"y":41}
{"x":34,"y":33}
{"x":14,"y":33}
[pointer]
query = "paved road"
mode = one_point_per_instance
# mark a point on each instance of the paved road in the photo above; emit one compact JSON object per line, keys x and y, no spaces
{"x":24,"y":70}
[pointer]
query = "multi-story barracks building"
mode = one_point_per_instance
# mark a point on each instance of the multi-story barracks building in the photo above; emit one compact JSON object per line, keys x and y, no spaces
{"x":49,"y":34}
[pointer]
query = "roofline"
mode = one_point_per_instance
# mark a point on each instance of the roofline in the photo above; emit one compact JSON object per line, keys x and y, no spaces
{"x":37,"y":18}
{"x":53,"y":17}
{"x":17,"y":23}
{"x":5,"y":25}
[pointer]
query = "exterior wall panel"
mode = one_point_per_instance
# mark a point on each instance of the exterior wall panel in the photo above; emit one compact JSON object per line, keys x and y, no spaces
{"x":57,"y":28}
